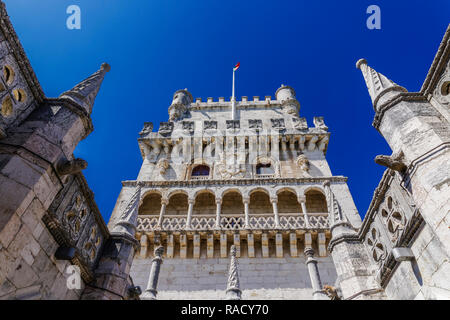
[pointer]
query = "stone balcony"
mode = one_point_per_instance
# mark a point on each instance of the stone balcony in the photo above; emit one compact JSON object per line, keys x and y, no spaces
{"x":208,"y":237}
{"x":289,"y":221}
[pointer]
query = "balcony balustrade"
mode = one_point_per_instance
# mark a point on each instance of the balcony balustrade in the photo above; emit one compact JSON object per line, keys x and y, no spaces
{"x":200,"y":178}
{"x":288,"y":221}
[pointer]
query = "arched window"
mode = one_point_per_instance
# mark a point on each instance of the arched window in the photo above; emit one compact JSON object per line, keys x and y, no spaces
{"x":260,"y":203}
{"x":316,"y":202}
{"x":200,"y":171}
{"x":264,"y":168}
{"x":151,"y":204}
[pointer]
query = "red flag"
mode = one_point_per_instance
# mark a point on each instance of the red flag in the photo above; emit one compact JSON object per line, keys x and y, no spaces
{"x":237,"y":66}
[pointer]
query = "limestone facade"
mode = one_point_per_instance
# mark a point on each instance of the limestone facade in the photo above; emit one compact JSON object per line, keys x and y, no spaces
{"x":406,"y":230}
{"x":260,"y":183}
{"x":48,"y":216}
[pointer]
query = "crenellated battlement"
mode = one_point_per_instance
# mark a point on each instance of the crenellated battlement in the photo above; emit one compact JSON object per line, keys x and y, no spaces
{"x":183,"y":106}
{"x":256,"y":100}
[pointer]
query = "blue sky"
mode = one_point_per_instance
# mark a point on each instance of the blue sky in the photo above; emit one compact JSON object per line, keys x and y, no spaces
{"x":158,"y":47}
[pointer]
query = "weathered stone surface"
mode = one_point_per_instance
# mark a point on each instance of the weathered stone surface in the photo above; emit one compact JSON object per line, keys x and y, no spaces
{"x":258,"y":179}
{"x":260,"y":278}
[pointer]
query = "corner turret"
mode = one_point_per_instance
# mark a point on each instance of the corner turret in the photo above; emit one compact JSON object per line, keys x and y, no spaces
{"x":286,"y":95}
{"x":84,"y":93}
{"x":180,"y":103}
{"x":381,"y":89}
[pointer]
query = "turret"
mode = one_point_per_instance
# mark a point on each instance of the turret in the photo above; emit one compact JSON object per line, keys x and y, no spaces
{"x":180,"y":104}
{"x":381,"y":89}
{"x":84,"y":93}
{"x":286,"y":95}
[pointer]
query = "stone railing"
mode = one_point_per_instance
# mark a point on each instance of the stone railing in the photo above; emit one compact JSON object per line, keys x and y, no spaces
{"x":200,"y":178}
{"x":264,"y":176}
{"x":289,"y":221}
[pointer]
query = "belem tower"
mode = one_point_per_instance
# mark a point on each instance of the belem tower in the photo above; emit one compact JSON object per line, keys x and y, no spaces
{"x":230,"y":202}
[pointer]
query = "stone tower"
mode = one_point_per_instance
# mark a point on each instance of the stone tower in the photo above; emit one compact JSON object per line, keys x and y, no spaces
{"x":54,"y":243}
{"x":261,"y":183}
{"x":406,"y":228}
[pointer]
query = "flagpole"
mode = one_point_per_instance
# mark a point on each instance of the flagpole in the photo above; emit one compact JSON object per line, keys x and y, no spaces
{"x":233,"y":102}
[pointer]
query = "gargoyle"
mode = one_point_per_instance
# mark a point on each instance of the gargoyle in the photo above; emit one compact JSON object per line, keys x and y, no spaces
{"x":332,"y":292}
{"x":65,"y":167}
{"x":394,"y":162}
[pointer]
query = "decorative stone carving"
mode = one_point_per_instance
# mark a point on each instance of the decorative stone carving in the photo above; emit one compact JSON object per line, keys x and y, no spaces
{"x":395,"y":222}
{"x":188,"y":126}
{"x":91,"y":244}
{"x":11,"y":94}
{"x":300,"y":123}
{"x":303,"y":163}
{"x":393,"y":218}
{"x":165,"y":128}
{"x":233,"y":287}
{"x":278,"y":124}
{"x":332,"y":292}
{"x":320,"y":124}
{"x":233,"y":124}
{"x":442,"y":91}
{"x":255,"y":124}
{"x":74,"y":216}
{"x":210,"y":125}
{"x":163,"y":165}
{"x":393,"y":162}
{"x":66,"y":167}
{"x":265,"y":160}
{"x":148,"y":127}
{"x":231,"y":170}
{"x":73,"y":221}
{"x":377,"y":249}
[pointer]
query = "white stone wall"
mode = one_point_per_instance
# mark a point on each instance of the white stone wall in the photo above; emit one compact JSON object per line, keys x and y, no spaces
{"x":28,"y":268}
{"x":426,"y":278}
{"x":269,"y":278}
{"x":346,"y":203}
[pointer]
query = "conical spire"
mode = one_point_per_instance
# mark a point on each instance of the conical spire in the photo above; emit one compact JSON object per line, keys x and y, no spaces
{"x":85,"y":92}
{"x":377,"y":83}
{"x":233,"y":287}
{"x":128,"y":219}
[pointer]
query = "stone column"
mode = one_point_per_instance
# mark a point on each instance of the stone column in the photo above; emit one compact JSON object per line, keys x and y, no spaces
{"x":189,"y":214}
{"x":275,"y":211}
{"x":311,"y":263}
{"x":246,"y":212}
{"x":164,"y":203}
{"x":233,"y":287}
{"x":302,"y":201}
{"x":218,"y":212}
{"x":151,"y":292}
